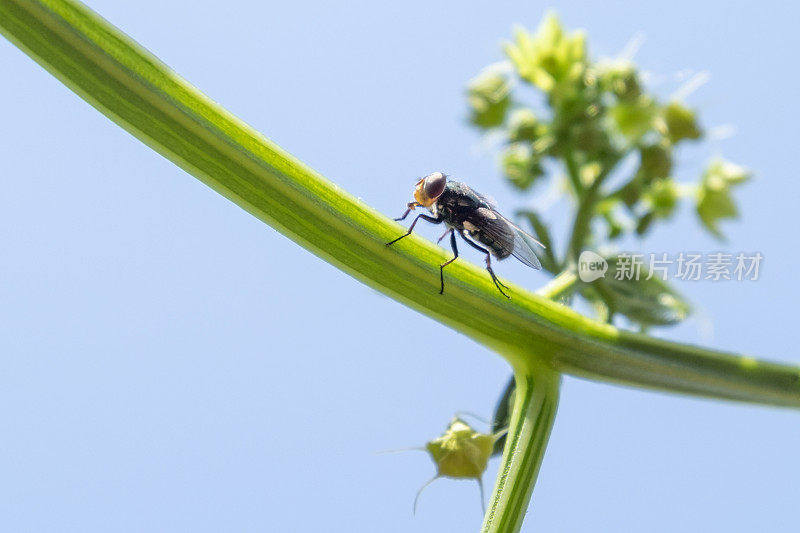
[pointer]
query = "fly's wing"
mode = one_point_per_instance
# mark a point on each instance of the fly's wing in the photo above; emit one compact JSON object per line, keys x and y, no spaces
{"x":508,"y":238}
{"x":490,"y":202}
{"x":523,"y":245}
{"x":523,"y":251}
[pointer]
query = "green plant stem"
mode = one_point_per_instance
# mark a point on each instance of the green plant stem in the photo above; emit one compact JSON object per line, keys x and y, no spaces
{"x":587,"y":204}
{"x":535,"y":394}
{"x":574,"y":174}
{"x":535,"y":404}
{"x":141,"y":94}
{"x":581,"y":226}
{"x":558,"y":287}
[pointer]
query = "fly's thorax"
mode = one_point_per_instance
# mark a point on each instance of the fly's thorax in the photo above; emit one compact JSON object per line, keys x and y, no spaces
{"x":456,"y":205}
{"x":443,"y":208}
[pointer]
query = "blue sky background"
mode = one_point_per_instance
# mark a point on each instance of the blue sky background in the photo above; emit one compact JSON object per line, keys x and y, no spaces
{"x":169,"y":363}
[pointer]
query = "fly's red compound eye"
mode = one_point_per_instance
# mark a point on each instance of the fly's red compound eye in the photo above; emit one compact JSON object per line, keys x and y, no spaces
{"x":433,"y":185}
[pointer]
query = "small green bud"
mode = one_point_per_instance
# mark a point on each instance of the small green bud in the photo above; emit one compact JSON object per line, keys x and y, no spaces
{"x":589,"y":136}
{"x":523,"y":125}
{"x":655,"y":161}
{"x":678,"y":122}
{"x":621,"y":79}
{"x":489,"y":97}
{"x":461,"y":451}
{"x":521,"y":165}
{"x":662,"y":195}
{"x":714,"y":199}
{"x":548,"y":57}
{"x":635,"y":118}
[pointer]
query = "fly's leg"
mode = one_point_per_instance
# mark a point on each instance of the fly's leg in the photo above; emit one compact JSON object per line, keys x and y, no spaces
{"x":411,"y":227}
{"x":455,"y":256}
{"x":403,"y":216}
{"x":497,"y":282}
{"x":411,"y":206}
{"x":489,"y":268}
{"x":443,"y":236}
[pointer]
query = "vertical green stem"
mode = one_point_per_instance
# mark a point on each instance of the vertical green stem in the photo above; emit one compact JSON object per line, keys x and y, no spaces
{"x":573,"y":173}
{"x":583,"y":220}
{"x":535,"y":407}
{"x":586,"y":209}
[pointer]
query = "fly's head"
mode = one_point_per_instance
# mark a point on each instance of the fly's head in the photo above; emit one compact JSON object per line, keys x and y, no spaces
{"x":428,"y":190}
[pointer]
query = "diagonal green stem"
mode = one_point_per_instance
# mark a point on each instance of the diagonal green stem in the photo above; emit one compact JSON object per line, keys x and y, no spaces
{"x":560,"y":286}
{"x":535,"y":404}
{"x":141,"y":94}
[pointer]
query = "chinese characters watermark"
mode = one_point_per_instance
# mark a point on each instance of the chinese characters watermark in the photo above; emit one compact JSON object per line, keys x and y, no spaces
{"x":685,"y":266}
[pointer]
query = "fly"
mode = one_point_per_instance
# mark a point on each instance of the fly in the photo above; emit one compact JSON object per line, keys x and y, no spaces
{"x":475,"y":219}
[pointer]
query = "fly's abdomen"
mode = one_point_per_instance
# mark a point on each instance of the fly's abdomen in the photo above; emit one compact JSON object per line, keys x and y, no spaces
{"x":500,"y":250}
{"x":499,"y":245}
{"x":491,"y":231}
